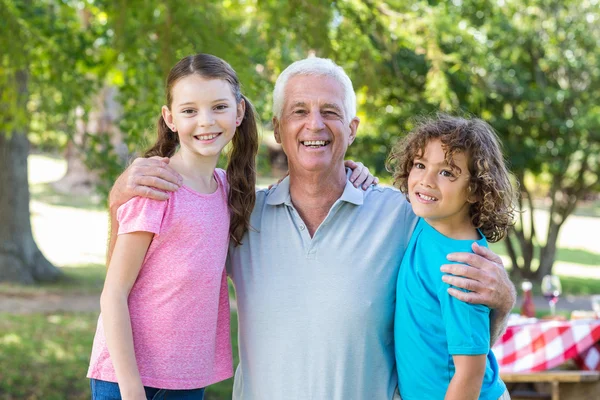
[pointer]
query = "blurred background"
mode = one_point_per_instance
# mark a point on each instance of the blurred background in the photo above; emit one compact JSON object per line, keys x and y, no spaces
{"x":82,"y":83}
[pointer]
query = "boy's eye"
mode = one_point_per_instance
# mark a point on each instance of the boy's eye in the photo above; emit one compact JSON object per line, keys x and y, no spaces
{"x":447,"y":173}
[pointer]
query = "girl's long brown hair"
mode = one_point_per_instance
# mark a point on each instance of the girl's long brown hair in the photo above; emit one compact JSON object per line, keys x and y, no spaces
{"x":489,"y":182}
{"x":241,"y":172}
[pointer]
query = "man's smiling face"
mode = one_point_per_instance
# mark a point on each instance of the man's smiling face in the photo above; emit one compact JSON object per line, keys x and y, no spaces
{"x":314,"y":130}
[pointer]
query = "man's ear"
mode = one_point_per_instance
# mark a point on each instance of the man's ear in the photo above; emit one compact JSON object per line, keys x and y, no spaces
{"x":276,"y":132}
{"x":168,"y":117}
{"x":353,"y":128}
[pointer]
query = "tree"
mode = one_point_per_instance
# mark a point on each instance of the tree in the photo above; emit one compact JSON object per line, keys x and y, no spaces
{"x":39,"y":73}
{"x":539,"y":73}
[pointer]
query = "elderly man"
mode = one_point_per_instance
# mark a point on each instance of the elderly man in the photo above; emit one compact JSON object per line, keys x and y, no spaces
{"x":316,"y":277}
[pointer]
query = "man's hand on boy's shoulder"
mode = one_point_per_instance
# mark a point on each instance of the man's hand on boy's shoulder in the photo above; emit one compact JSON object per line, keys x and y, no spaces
{"x":147,"y":177}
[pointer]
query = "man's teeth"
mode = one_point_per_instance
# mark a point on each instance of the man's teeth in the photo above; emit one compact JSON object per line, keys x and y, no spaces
{"x":425,"y":197}
{"x":315,"y":143}
{"x":207,"y":137}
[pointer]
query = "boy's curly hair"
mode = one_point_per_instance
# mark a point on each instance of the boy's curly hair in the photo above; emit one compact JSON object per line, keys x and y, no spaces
{"x":493,"y":212}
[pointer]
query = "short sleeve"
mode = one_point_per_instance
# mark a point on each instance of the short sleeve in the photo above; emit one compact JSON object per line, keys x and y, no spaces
{"x":141,"y":214}
{"x":222,"y":177}
{"x":467,"y":325}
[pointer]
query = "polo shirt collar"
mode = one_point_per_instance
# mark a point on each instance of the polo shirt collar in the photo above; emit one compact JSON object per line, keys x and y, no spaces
{"x":280,"y":194}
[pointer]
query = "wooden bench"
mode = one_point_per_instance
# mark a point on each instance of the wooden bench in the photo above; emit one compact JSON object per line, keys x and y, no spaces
{"x":563,"y":385}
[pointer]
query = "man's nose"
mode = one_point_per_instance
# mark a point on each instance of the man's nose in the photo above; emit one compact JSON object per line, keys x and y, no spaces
{"x":315,"y":121}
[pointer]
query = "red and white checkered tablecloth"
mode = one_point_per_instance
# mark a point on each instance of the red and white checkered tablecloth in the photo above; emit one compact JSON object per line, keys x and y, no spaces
{"x":542,"y":345}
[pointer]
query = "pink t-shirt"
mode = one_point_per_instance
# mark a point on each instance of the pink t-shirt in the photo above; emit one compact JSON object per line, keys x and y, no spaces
{"x":179,"y":304}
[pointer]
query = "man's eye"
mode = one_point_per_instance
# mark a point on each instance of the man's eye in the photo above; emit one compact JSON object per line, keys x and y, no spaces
{"x":300,"y":112}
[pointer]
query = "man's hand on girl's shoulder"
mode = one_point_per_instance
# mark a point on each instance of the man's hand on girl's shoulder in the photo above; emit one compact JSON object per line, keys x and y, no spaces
{"x":147,"y":177}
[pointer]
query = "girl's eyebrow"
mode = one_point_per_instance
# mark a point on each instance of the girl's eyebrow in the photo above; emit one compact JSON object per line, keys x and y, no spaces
{"x":191,"y":103}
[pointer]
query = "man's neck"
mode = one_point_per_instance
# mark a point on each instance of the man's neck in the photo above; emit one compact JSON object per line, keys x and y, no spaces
{"x":313,"y":194}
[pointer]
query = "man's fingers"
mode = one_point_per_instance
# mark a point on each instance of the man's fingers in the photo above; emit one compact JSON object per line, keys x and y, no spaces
{"x":356,"y":172}
{"x":362,"y":177}
{"x":463,"y":283}
{"x":156,"y":183}
{"x":471,"y":259}
{"x":464,"y":296}
{"x":146,"y":191}
{"x":486,"y":253}
{"x":462,"y":270}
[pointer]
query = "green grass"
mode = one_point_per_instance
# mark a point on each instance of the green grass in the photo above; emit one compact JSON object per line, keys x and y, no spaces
{"x":575,"y":256}
{"x":46,"y":357}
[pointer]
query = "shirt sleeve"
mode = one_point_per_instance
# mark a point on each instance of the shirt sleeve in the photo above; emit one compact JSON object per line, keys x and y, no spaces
{"x":141,"y":214}
{"x":467,"y":325}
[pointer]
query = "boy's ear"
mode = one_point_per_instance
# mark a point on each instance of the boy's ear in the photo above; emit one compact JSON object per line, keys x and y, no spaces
{"x":472,"y":198}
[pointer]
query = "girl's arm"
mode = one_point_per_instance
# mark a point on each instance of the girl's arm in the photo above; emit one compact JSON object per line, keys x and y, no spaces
{"x":468,"y":377}
{"x":128,"y":255}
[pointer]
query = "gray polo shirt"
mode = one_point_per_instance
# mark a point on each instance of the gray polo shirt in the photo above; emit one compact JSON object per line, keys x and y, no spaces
{"x":316,"y":314}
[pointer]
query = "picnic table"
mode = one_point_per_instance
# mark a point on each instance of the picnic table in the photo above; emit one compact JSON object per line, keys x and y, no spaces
{"x":531,"y":350}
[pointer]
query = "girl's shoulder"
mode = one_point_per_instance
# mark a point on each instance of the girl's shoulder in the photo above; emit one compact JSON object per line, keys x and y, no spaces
{"x":221,"y":177}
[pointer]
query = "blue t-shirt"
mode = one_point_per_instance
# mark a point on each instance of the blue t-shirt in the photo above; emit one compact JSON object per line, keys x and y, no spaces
{"x":431,"y":326}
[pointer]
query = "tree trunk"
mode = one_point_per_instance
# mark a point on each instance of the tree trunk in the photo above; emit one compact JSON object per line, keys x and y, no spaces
{"x":20,"y":258}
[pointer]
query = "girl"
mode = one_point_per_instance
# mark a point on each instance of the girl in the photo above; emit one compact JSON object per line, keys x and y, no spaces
{"x":452,"y":172}
{"x":164,"y":326}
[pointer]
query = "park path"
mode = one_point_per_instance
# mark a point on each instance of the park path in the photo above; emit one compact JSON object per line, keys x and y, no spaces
{"x":46,"y":303}
{"x":56,"y":303}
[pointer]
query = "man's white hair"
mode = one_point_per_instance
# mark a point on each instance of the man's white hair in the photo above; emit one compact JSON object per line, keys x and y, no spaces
{"x":315,"y":66}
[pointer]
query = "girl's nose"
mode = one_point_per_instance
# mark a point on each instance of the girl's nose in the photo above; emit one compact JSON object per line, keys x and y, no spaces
{"x":206,"y":119}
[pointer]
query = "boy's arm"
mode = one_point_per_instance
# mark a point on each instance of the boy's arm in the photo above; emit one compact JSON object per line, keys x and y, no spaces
{"x":130,"y":250}
{"x":145,"y":177}
{"x":468,"y":377}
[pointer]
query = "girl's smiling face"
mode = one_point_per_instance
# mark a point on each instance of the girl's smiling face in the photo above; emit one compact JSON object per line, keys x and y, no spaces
{"x":204,"y":114}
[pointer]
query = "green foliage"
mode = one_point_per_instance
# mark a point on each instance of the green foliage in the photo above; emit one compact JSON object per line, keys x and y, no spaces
{"x":530,"y":69}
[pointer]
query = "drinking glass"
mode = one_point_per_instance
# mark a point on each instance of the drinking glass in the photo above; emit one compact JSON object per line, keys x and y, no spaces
{"x":596,"y":304}
{"x":551,"y":289}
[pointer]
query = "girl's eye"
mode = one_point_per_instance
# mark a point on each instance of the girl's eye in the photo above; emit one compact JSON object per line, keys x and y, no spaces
{"x":447,"y":173}
{"x":418,"y":165}
{"x":188,"y":111}
{"x":221,"y":107}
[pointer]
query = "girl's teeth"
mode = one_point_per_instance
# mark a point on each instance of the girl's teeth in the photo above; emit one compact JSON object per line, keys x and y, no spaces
{"x":206,"y":137}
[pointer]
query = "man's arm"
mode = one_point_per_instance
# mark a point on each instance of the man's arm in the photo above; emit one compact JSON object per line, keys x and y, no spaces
{"x":483,"y":274}
{"x":146,"y":177}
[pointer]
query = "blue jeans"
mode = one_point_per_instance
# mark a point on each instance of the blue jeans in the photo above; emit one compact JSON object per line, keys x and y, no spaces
{"x":103,"y":390}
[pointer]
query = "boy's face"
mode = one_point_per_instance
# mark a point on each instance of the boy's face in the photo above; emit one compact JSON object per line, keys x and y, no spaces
{"x":439,"y":193}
